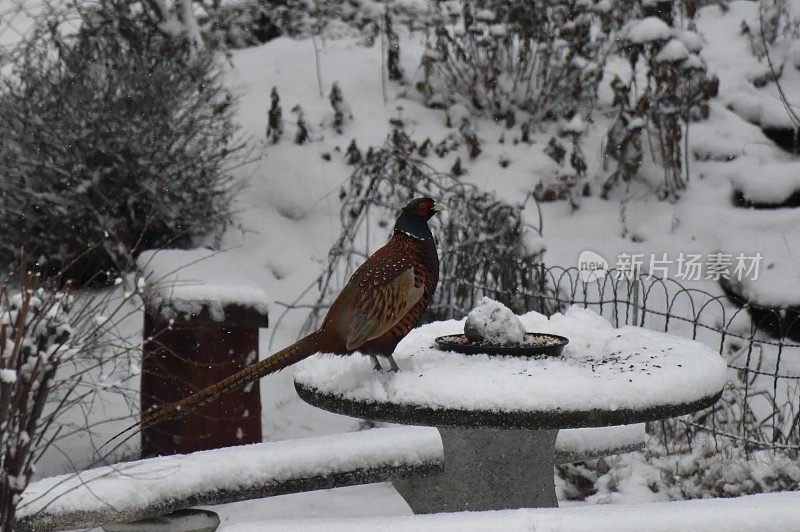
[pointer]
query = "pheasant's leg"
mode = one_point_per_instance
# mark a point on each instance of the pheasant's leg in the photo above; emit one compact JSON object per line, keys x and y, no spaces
{"x":393,"y":364}
{"x":376,"y":365}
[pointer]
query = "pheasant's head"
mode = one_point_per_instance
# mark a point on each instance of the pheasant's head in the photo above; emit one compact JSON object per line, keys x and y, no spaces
{"x":423,"y":208}
{"x":413,"y":220}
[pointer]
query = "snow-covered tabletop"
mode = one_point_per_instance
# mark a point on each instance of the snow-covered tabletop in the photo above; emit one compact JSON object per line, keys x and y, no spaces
{"x":606,"y":376}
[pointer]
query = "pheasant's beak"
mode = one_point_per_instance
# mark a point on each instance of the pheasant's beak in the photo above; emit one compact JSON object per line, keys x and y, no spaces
{"x":438,"y":207}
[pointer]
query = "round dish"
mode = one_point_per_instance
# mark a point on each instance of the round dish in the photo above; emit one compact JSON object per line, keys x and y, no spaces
{"x":535,"y":344}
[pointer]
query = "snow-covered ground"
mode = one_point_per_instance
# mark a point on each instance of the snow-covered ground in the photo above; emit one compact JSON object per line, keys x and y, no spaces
{"x":756,"y":513}
{"x":289,"y":212}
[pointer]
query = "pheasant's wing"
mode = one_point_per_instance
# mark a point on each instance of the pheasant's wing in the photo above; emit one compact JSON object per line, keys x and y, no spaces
{"x":381,"y":306}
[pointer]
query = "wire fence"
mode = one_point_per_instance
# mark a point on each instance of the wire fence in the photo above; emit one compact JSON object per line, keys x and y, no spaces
{"x":760,"y":407}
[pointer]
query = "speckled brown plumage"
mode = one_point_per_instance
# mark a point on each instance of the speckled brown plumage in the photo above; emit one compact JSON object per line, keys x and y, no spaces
{"x":383,"y":300}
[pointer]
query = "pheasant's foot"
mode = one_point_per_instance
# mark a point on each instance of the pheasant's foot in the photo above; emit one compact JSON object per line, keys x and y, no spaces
{"x":376,"y":365}
{"x":392,"y":363}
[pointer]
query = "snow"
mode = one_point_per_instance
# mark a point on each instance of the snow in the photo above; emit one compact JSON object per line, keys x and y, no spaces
{"x":646,"y":30}
{"x":185,"y":281}
{"x":592,"y":441}
{"x":532,"y":242}
{"x":498,"y":30}
{"x":769,"y":182}
{"x":603,"y":6}
{"x":730,"y":53}
{"x":602,"y":368}
{"x":134,"y":485}
{"x":574,"y":125}
{"x":774,"y":114}
{"x":672,"y":52}
{"x":493,"y":323}
{"x":486,"y":15}
{"x":8,"y":376}
{"x":777,"y":285}
{"x":793,"y":54}
{"x":692,"y":40}
{"x":755,"y":513}
{"x":694,"y":61}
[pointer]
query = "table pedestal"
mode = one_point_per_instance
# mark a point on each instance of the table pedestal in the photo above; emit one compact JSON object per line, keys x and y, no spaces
{"x":487,"y":469}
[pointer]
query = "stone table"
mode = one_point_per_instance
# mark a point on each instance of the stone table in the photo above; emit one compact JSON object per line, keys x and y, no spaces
{"x":499,"y":416}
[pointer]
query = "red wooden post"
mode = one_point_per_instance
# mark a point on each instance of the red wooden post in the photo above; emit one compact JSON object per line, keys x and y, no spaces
{"x":189,"y":345}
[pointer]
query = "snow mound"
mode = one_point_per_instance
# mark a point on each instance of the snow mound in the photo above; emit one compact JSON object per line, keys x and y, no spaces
{"x":185,"y":281}
{"x":575,"y":125}
{"x":693,"y":61}
{"x":493,"y":323}
{"x":646,"y":30}
{"x":672,"y":52}
{"x":693,"y":41}
{"x":767,"y":181}
{"x":777,"y":285}
{"x":602,"y":368}
{"x":485,"y":15}
{"x":774,"y":113}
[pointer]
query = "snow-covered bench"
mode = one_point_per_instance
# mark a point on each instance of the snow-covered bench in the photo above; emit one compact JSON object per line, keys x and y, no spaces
{"x":157,"y":486}
{"x":146,"y":488}
{"x":755,"y":513}
{"x":576,"y":445}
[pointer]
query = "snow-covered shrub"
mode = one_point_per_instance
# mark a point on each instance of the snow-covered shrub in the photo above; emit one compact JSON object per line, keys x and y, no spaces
{"x":353,"y":154}
{"x":34,"y":337}
{"x":725,"y":451}
{"x":676,"y":91}
{"x":113,"y":139}
{"x":250,"y":22}
{"x":724,"y":469}
{"x":470,"y":138}
{"x":274,"y":117}
{"x":244,"y":23}
{"x":622,"y":153}
{"x":52,"y":342}
{"x":543,"y":57}
{"x":394,"y":69}
{"x":341,"y":111}
{"x":778,"y":19}
{"x":301,"y":135}
{"x":571,"y":178}
{"x":706,"y":469}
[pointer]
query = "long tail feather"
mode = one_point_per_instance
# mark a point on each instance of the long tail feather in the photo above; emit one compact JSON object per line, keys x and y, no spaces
{"x":282,"y":359}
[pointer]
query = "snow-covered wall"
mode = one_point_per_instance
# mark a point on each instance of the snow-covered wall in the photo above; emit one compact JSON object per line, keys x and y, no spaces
{"x":186,"y":281}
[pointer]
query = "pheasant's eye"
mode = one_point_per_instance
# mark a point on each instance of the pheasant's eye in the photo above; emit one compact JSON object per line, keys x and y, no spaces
{"x":424,"y":208}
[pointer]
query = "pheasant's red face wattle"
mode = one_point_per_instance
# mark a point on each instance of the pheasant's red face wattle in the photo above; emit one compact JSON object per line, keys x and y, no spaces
{"x":424,"y":208}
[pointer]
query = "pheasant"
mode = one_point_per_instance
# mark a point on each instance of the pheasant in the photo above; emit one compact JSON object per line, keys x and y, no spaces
{"x":378,"y":307}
